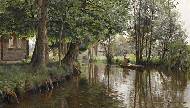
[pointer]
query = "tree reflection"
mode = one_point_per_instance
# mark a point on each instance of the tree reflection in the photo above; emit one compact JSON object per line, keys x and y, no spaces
{"x":155,"y":89}
{"x":125,"y":72}
{"x":73,"y":99}
{"x":107,"y":74}
{"x":93,"y":73}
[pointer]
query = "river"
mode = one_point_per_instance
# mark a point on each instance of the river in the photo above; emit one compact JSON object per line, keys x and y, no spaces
{"x":101,"y":86}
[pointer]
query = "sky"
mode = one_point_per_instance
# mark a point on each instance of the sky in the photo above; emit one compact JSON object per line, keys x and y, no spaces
{"x":184,"y":10}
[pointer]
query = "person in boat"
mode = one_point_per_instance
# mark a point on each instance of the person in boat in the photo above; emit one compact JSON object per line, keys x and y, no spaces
{"x":126,"y":59}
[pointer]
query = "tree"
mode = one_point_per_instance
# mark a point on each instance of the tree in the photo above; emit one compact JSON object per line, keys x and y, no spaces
{"x":84,"y":23}
{"x":155,"y":28}
{"x":40,"y":55}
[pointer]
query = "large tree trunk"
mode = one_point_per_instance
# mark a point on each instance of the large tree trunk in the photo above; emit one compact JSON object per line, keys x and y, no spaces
{"x":41,"y":54}
{"x":70,"y":58}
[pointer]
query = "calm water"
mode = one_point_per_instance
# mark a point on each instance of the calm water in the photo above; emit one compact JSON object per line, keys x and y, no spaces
{"x":102,"y":86}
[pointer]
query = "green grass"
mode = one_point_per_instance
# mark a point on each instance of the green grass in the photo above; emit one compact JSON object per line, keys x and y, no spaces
{"x":102,"y":59}
{"x":119,"y":59}
{"x":12,"y":76}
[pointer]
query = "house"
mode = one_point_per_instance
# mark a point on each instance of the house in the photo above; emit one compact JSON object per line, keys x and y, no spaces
{"x":13,"y":48}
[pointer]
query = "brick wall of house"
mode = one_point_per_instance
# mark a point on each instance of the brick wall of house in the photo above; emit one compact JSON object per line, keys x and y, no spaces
{"x":14,"y":54}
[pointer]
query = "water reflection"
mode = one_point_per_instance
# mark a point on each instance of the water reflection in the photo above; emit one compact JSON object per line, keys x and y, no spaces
{"x":161,"y":91}
{"x":107,"y":73}
{"x":109,"y":86}
{"x":146,"y":88}
{"x":93,"y":73}
{"x":73,"y":99}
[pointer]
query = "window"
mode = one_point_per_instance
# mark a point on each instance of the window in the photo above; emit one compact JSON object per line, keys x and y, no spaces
{"x":11,"y":43}
{"x":15,"y":43}
{"x":19,"y":43}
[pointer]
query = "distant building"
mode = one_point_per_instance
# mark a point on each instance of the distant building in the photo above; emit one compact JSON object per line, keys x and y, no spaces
{"x":13,"y":49}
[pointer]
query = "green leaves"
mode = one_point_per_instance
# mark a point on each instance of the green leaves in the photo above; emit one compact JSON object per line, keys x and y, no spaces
{"x":16,"y":17}
{"x":92,"y":18}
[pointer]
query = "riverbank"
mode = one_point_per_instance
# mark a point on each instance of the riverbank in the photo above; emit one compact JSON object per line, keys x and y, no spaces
{"x":154,"y":63}
{"x":118,"y":60}
{"x":19,"y":80}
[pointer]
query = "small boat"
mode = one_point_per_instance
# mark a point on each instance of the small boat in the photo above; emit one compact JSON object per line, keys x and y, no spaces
{"x":132,"y":66}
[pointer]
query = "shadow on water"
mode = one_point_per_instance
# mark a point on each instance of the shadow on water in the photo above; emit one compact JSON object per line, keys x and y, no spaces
{"x":109,"y":86}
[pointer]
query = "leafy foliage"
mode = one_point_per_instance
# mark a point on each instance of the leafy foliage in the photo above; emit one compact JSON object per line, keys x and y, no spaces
{"x":17,"y":16}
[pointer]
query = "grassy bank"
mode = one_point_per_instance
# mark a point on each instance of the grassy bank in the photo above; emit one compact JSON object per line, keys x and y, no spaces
{"x":117,"y":59}
{"x":13,"y":75}
{"x":154,"y":62}
{"x":17,"y":80}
